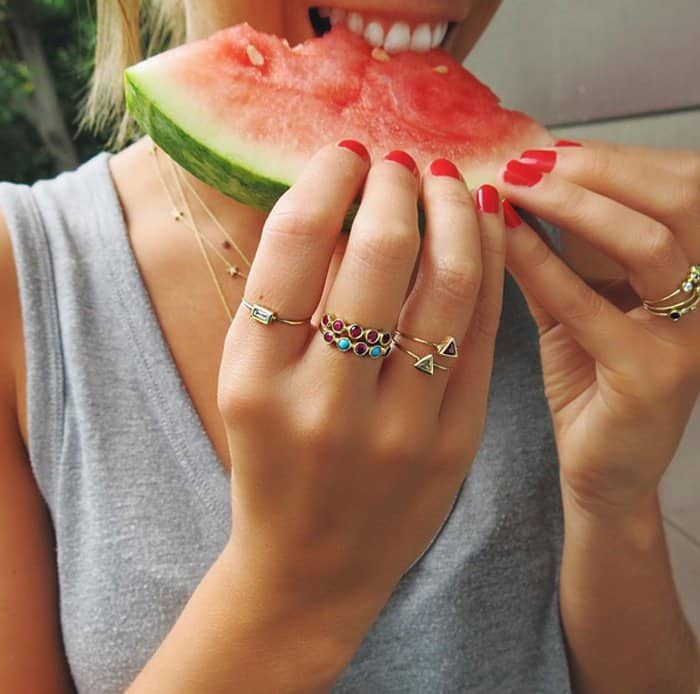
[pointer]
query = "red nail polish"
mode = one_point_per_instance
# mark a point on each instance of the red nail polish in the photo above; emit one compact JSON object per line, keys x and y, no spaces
{"x":542,"y":159}
{"x":355,"y":146}
{"x":487,"y":199}
{"x":567,"y":143}
{"x":403,"y":158}
{"x":444,"y":167}
{"x":520,"y":174}
{"x":511,"y":217}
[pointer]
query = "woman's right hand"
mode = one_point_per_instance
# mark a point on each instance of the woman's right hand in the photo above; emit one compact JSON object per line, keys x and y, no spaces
{"x":345,"y":467}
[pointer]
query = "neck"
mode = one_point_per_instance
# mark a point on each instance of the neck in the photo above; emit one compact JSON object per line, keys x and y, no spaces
{"x":243,"y":223}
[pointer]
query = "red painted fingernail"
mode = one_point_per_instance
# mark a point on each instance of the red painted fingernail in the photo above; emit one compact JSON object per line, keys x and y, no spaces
{"x":444,"y":167}
{"x":487,"y":199}
{"x":520,"y":174}
{"x":567,"y":143}
{"x":542,"y":159}
{"x":403,"y":158}
{"x":355,"y":146}
{"x":511,"y":216}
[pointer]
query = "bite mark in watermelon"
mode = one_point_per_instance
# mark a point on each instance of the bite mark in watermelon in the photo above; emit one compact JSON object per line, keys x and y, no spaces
{"x":244,"y":112}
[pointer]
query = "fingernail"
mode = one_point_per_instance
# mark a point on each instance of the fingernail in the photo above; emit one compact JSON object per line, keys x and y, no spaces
{"x":403,"y":158}
{"x":487,"y":199}
{"x":511,"y":217}
{"x":355,"y":146}
{"x":520,"y":174}
{"x":444,"y":167}
{"x":567,"y":143}
{"x":542,"y":159}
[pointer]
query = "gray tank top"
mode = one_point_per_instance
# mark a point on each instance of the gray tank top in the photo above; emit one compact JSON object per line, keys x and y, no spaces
{"x":141,"y":507}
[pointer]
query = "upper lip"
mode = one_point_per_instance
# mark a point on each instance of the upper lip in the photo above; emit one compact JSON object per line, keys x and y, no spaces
{"x":415,"y":16}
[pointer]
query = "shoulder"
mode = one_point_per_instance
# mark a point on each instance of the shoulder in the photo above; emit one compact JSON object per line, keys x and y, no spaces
{"x":11,"y":338}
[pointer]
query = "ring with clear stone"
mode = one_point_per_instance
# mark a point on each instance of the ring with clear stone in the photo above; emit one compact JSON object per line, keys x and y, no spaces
{"x":689,"y":288}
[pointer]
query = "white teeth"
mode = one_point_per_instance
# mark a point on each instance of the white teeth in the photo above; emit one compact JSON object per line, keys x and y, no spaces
{"x":422,"y":38}
{"x":355,"y":22}
{"x":338,"y":16}
{"x":439,"y":34}
{"x":374,"y":33}
{"x":398,"y":38}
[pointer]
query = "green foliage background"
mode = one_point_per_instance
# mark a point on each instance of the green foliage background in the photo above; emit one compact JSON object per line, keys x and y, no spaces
{"x":67,"y":31}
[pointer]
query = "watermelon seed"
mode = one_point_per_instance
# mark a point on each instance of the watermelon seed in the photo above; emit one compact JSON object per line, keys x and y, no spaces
{"x":380,"y":55}
{"x":254,"y":55}
{"x":441,"y":69}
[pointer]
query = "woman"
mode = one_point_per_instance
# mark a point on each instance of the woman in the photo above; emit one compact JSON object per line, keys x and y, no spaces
{"x":239,"y":507}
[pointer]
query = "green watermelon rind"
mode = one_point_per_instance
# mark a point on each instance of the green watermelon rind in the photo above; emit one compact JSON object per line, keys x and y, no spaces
{"x":237,"y":179}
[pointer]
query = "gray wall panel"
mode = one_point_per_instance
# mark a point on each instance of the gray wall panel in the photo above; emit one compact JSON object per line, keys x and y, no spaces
{"x":565,"y":61}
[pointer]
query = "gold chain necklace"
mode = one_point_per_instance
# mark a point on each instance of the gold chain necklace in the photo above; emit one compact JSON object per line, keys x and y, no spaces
{"x":185,"y":217}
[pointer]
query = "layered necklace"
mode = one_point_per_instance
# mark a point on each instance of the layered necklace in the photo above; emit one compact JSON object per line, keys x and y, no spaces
{"x":182,"y":214}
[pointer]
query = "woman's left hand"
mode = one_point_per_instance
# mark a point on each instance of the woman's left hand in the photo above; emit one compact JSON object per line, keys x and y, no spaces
{"x":621,"y":383}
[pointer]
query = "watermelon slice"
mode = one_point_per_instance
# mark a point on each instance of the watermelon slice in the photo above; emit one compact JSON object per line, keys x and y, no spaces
{"x":244,"y":112}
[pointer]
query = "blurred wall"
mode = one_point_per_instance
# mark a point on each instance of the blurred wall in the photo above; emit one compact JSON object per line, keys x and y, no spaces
{"x":624,"y":71}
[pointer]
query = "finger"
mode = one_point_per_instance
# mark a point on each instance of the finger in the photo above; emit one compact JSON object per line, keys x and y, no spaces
{"x":297,"y":242}
{"x":679,"y":161}
{"x":653,"y":259}
{"x":469,"y":383}
{"x":441,"y":302}
{"x":637,"y":180}
{"x":604,"y":331}
{"x":375,"y":272}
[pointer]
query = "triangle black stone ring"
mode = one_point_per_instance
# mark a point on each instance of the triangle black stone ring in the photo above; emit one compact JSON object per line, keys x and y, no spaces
{"x":446,"y":348}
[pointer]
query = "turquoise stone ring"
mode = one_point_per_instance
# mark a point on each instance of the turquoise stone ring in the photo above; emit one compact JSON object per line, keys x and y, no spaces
{"x":352,"y":337}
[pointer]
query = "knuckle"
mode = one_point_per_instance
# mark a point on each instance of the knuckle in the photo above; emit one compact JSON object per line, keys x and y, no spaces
{"x":322,"y":429}
{"x":242,"y":403}
{"x":393,"y":246}
{"x":577,"y":206}
{"x":599,"y":163}
{"x":396,"y":444}
{"x":459,"y":200}
{"x":495,"y":243}
{"x":536,"y":252}
{"x":485,"y":323}
{"x":583,"y":304}
{"x":456,"y":281}
{"x":296,"y":229}
{"x":659,"y":249}
{"x":688,"y":202}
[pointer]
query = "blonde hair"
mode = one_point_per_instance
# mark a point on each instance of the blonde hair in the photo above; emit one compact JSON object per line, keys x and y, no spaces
{"x":127,"y":31}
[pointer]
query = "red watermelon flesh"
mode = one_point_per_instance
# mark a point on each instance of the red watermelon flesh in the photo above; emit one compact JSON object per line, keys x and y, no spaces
{"x":244,"y":112}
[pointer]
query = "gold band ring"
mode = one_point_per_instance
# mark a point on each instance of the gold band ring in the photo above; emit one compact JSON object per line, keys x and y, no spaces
{"x":690,"y":286}
{"x":426,"y":364}
{"x":446,"y":348}
{"x":266,"y":316}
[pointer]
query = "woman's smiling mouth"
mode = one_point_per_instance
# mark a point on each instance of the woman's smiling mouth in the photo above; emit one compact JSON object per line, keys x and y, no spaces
{"x":394,"y":36}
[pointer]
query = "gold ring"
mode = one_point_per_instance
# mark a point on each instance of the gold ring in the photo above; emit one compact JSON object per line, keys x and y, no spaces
{"x":690,"y":286}
{"x":426,"y":364}
{"x":446,"y":348}
{"x":266,"y":316}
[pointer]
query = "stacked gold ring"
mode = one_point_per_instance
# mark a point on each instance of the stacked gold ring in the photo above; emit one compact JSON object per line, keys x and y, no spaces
{"x":352,"y":337}
{"x":674,"y":311}
{"x":426,"y":363}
